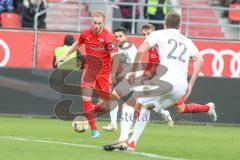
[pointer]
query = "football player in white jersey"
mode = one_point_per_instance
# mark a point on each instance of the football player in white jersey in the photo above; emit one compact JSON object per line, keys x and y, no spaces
{"x":127,"y":52}
{"x":175,"y":51}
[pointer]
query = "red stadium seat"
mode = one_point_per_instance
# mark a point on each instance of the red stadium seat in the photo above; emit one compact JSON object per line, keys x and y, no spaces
{"x":201,"y":17}
{"x":10,"y":20}
{"x":234,"y":15}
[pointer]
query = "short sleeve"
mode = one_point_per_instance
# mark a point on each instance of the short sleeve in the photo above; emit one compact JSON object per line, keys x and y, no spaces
{"x":194,"y":50}
{"x":153,"y":38}
{"x":81,"y":38}
{"x":111,"y":44}
{"x":132,"y":52}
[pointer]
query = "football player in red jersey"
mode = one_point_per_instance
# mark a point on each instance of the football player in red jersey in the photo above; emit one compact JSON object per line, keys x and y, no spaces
{"x":153,"y":57}
{"x":101,"y":48}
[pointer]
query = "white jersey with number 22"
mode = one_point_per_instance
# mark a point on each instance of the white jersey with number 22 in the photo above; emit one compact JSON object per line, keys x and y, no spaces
{"x":175,"y":50}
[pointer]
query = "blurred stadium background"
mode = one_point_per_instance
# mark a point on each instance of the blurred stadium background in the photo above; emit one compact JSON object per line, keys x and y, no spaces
{"x":26,"y":64}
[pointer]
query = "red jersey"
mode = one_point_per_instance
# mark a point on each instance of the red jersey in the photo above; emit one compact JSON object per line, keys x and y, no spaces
{"x":153,"y":56}
{"x":98,"y":50}
{"x":153,"y":61}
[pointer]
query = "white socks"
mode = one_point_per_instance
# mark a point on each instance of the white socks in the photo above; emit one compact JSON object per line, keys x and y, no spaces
{"x":140,"y":124}
{"x":127,"y":119}
{"x":113,"y":116}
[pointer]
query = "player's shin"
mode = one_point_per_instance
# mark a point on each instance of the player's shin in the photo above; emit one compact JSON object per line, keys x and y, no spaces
{"x":90,"y":114}
{"x":140,"y":124}
{"x":127,"y":119}
{"x":113,"y":115}
{"x":195,"y":108}
{"x":191,"y":107}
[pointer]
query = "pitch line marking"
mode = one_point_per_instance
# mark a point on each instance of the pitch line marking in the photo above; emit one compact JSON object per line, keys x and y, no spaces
{"x":144,"y":154}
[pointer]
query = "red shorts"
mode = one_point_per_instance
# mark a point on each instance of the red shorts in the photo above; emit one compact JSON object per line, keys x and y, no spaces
{"x":100,"y":83}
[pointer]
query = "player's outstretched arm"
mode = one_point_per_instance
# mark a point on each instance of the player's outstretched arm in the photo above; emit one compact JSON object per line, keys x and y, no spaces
{"x":198,"y":63}
{"x":72,"y":49}
{"x":115,"y":63}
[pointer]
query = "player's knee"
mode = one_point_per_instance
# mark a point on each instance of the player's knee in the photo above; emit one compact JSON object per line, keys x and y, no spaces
{"x":114,"y":97}
{"x":127,"y":105}
{"x":105,"y":106}
{"x":131,"y":101}
{"x":180,"y":108}
{"x":85,"y":98}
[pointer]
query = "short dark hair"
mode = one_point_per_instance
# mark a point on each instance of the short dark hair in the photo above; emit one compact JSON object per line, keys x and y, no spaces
{"x":120,"y":29}
{"x":68,"y":40}
{"x":148,"y":26}
{"x":172,"y":20}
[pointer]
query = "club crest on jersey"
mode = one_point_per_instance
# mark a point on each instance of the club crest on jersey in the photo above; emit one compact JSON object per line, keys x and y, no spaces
{"x":112,"y":46}
{"x":101,"y":41}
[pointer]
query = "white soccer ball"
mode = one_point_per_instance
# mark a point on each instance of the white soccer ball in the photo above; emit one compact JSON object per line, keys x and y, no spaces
{"x":80,"y":124}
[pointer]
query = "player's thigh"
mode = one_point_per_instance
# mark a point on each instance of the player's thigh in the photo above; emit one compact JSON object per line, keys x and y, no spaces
{"x":147,"y":101}
{"x":87,"y":88}
{"x":170,"y":98}
{"x":103,"y":87}
{"x":87,"y":81}
{"x":115,"y":96}
{"x":122,"y":88}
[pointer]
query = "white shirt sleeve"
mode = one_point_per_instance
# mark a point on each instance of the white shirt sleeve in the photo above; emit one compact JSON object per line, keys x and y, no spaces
{"x":153,"y":38}
{"x":132,"y":53}
{"x":194,"y":50}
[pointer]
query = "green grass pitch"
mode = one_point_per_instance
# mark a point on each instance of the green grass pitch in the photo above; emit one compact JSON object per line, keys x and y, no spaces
{"x":50,"y":139}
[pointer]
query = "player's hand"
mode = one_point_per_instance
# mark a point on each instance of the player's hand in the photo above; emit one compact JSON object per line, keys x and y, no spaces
{"x":119,"y":77}
{"x":188,"y":92}
{"x":60,"y":60}
{"x":131,"y":77}
{"x":113,"y":79}
{"x":147,"y":76}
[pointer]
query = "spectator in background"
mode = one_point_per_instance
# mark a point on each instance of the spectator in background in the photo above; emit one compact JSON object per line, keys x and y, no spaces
{"x":155,"y":12}
{"x":127,"y":12}
{"x":85,"y":10}
{"x":5,"y":6}
{"x":28,"y":11}
{"x":85,"y":23}
{"x":227,"y":3}
{"x":17,"y":4}
{"x":71,"y":60}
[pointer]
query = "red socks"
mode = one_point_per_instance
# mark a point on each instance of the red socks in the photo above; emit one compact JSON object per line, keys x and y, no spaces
{"x":195,"y":108}
{"x":192,"y":107}
{"x":137,"y":111}
{"x":90,"y":114}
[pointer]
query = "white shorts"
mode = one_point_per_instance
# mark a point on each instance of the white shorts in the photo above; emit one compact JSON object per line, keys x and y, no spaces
{"x":166,"y":100}
{"x":137,"y":74}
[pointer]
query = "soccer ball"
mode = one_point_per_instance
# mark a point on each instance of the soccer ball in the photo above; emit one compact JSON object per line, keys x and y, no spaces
{"x":80,"y":124}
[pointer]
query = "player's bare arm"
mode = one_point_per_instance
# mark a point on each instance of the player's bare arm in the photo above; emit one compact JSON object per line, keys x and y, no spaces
{"x":115,"y":64}
{"x":198,"y":63}
{"x":73,"y":48}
